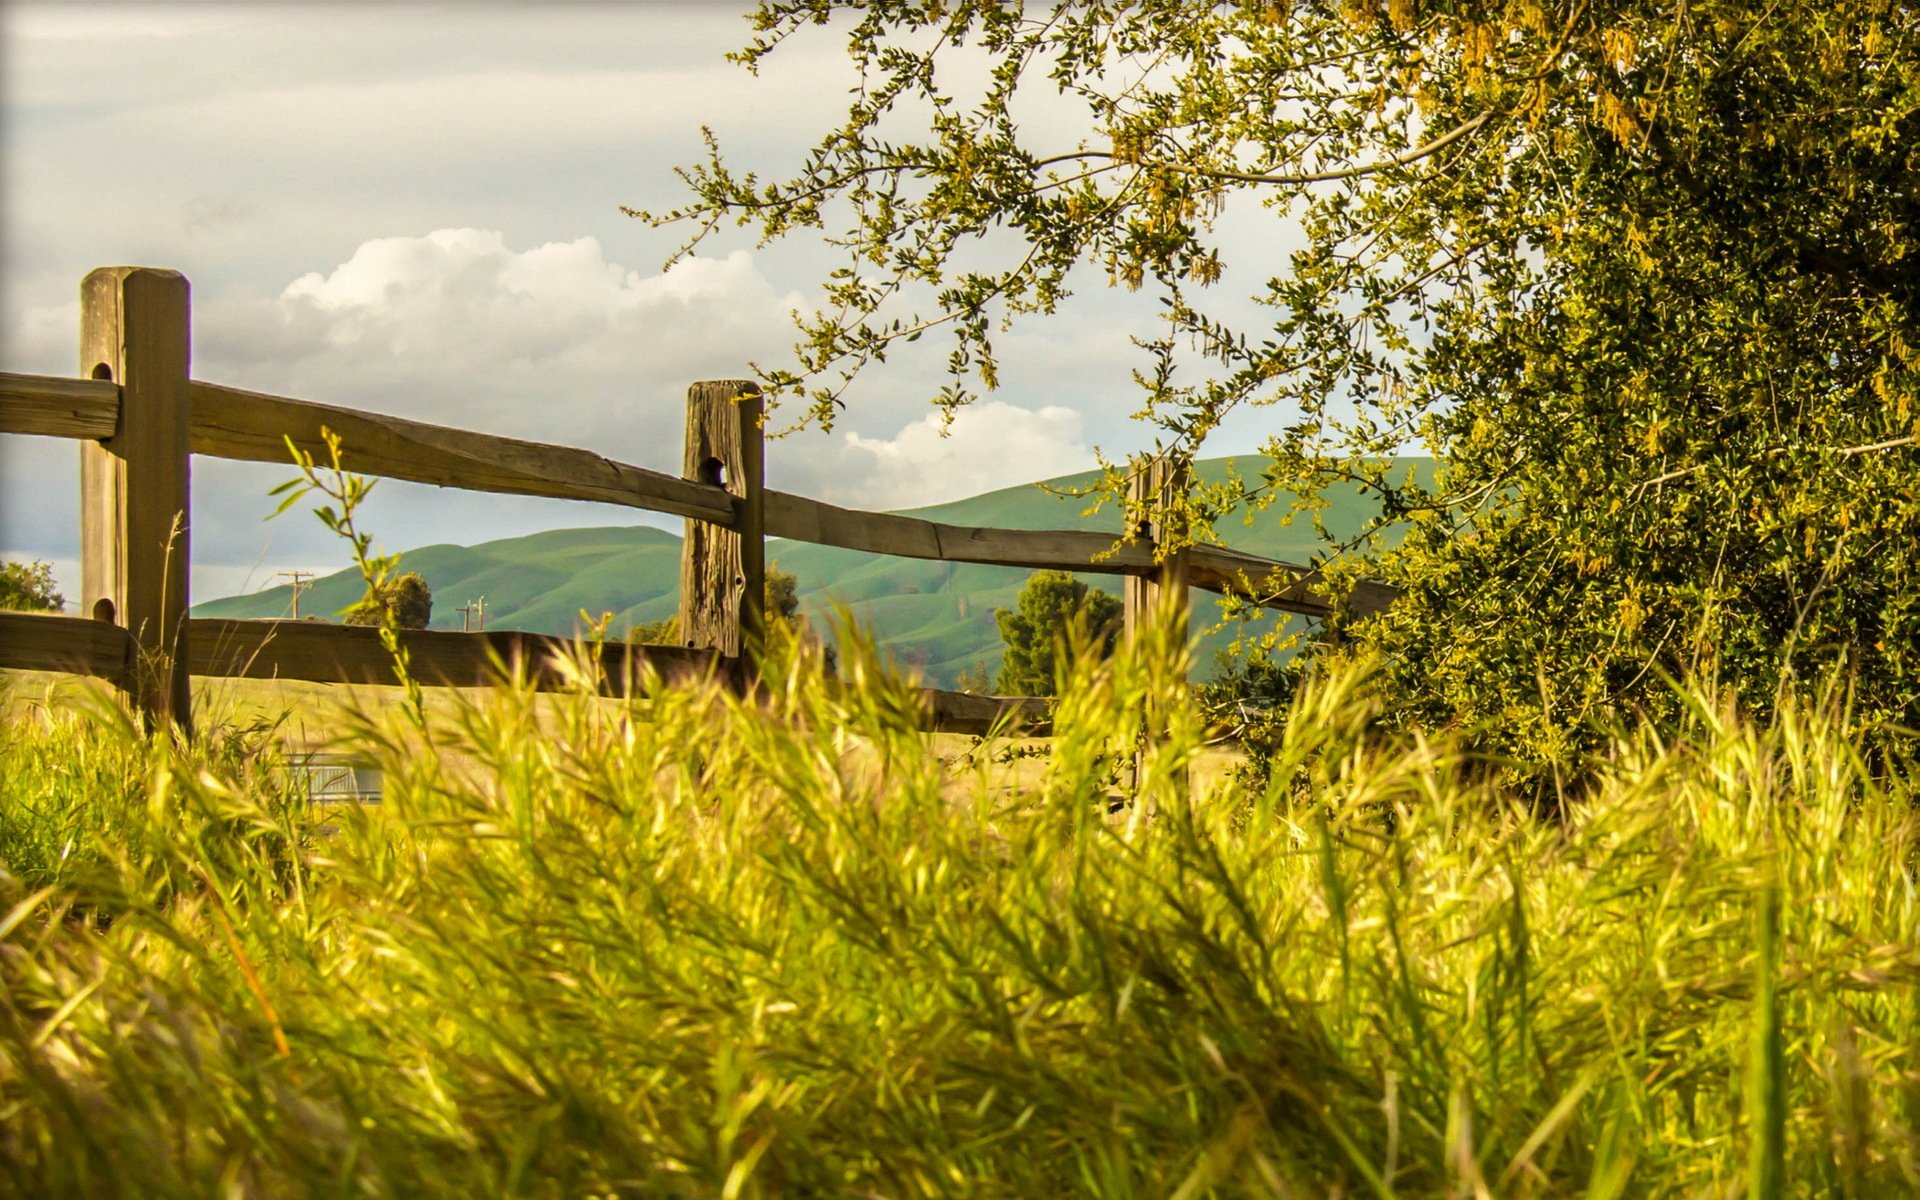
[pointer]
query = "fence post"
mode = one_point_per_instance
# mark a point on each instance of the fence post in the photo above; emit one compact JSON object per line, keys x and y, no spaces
{"x":723,"y":571}
{"x":134,"y":486}
{"x":1156,"y":491}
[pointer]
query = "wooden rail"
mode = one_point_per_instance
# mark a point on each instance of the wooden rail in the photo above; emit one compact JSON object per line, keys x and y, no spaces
{"x":326,"y":653}
{"x":139,"y":414}
{"x":73,"y":645}
{"x":251,"y":426}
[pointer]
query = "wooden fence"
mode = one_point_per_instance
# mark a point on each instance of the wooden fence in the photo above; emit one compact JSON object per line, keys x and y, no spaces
{"x":140,"y":416}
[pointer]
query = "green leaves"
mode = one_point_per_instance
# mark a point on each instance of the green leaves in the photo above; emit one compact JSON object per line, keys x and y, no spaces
{"x":1054,"y":612}
{"x":1644,"y":273}
{"x":390,"y":603}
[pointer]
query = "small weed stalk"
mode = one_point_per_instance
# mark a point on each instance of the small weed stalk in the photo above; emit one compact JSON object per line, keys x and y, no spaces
{"x":349,"y":491}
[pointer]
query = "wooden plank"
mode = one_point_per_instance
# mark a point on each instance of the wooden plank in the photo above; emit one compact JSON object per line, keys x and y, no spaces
{"x":75,"y":645}
{"x":51,"y":407}
{"x":821,"y":524}
{"x":963,"y":712}
{"x":250,"y":426}
{"x":1044,"y":549}
{"x":806,"y":520}
{"x":1211,"y":568}
{"x":134,"y":540}
{"x":723,"y":571}
{"x":325,"y":653}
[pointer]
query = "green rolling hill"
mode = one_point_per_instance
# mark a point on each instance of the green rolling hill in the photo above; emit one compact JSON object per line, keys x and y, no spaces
{"x":933,"y":616}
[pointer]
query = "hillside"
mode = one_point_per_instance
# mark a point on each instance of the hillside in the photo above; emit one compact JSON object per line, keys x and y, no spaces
{"x":935,"y":616}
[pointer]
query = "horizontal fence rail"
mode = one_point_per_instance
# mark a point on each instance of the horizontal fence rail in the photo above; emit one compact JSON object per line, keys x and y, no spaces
{"x":324,"y":653}
{"x":68,"y":408}
{"x":228,"y":422}
{"x":140,"y":416}
{"x":73,"y":645}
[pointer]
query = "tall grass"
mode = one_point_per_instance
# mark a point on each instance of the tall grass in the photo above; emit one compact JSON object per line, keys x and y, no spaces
{"x":704,"y":946}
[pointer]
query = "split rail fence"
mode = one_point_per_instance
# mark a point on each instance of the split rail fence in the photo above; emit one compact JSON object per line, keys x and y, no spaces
{"x":140,"y":416}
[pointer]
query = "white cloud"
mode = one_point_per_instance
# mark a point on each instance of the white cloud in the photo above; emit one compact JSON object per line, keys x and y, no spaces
{"x":552,"y":342}
{"x":989,"y":445}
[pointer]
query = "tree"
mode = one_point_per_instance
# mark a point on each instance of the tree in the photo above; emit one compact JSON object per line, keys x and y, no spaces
{"x":975,"y":678}
{"x":1049,"y":608}
{"x":405,"y":597}
{"x":1644,"y":275}
{"x":28,"y":587}
{"x":782,"y":596}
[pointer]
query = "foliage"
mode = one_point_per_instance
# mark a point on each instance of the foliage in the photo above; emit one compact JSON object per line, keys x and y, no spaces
{"x":782,"y":595}
{"x":346,"y":492}
{"x":1641,"y":272}
{"x":1248,"y":702}
{"x":79,"y":775}
{"x":405,"y":600}
{"x":702,"y":944}
{"x":28,"y":587}
{"x":1051,"y":610}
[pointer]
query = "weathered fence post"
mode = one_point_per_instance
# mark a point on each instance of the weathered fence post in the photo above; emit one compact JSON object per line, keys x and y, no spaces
{"x":1156,"y":491}
{"x":723,"y":571}
{"x":134,"y":485}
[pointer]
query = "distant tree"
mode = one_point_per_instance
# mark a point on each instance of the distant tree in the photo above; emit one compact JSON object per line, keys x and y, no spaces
{"x":407,"y":597}
{"x":782,"y":595}
{"x":28,"y":587}
{"x":665,"y":632}
{"x":975,"y":678}
{"x":1047,"y":608}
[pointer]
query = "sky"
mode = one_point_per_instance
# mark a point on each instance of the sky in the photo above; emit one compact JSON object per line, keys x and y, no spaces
{"x":415,"y":209}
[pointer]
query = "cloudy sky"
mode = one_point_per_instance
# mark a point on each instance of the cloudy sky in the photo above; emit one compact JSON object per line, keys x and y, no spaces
{"x":415,"y":209}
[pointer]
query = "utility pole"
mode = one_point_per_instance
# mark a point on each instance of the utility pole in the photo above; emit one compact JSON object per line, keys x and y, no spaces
{"x":302,"y":580}
{"x":473,"y":615}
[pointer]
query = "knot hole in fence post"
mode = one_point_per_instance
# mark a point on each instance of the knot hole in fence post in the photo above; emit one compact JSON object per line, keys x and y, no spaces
{"x":723,"y":567}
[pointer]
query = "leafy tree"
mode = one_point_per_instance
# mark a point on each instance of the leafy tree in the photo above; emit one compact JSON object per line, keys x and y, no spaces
{"x":406,"y":597}
{"x":782,"y":594}
{"x":664,"y":632}
{"x":1048,"y":609}
{"x":28,"y":587}
{"x":1645,"y":274}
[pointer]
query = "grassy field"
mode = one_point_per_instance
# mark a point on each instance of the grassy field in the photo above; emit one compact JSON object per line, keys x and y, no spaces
{"x":695,"y":947}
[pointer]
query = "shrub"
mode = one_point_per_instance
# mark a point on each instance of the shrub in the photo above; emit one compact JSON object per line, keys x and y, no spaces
{"x":407,"y":597}
{"x":28,"y":587}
